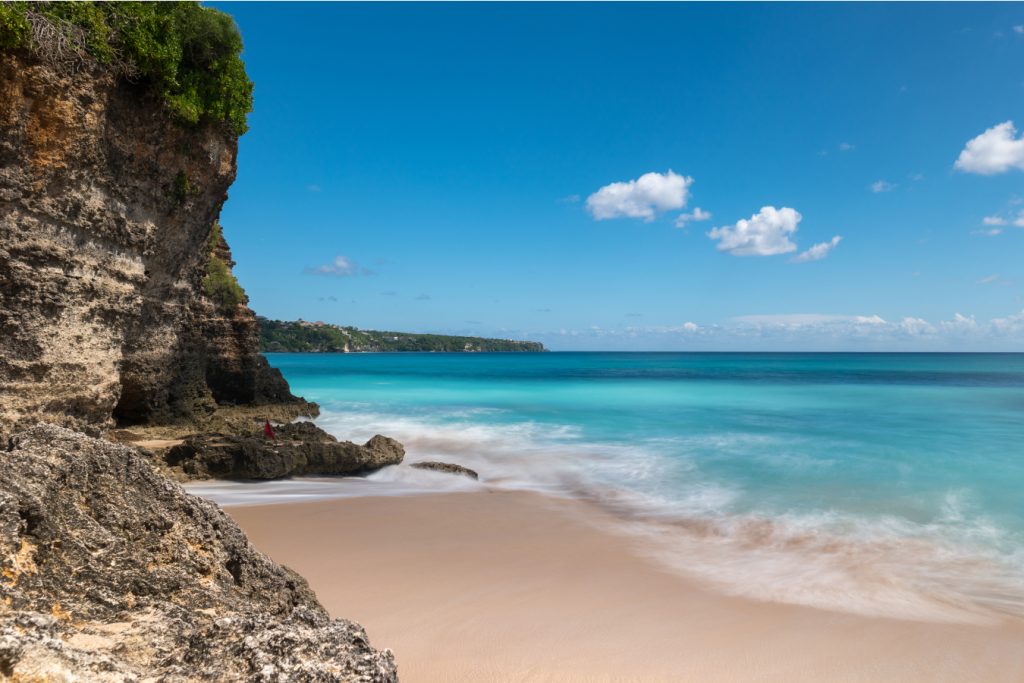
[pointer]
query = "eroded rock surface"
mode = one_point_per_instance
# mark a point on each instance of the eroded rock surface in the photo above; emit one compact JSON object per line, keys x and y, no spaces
{"x":448,"y":467}
{"x":111,"y":572}
{"x":107,"y":210}
{"x":300,"y":448}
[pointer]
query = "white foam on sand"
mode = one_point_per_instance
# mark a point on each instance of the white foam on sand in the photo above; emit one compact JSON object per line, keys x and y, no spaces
{"x":959,"y":568}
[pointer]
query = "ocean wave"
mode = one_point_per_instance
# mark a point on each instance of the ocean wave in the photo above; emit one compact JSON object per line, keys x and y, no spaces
{"x":959,"y":566}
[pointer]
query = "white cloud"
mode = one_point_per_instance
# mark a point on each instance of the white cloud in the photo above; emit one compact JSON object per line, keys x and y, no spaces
{"x":822,"y":321}
{"x":872,"y":329}
{"x":766,"y":233}
{"x":959,"y":323}
{"x":991,"y":232}
{"x":915,"y":326}
{"x":1019,"y":28}
{"x":988,"y":280}
{"x":1018,"y":222}
{"x":698,"y":214}
{"x":997,"y":150}
{"x":341,"y":266}
{"x":818,"y":251}
{"x":993,"y":220}
{"x":806,"y":331}
{"x":645,"y":197}
{"x":882,"y":186}
{"x":845,"y":147}
{"x":1011,"y":323}
{"x":791,"y":319}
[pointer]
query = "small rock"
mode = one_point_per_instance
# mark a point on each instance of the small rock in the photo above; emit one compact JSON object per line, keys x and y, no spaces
{"x":448,"y":467}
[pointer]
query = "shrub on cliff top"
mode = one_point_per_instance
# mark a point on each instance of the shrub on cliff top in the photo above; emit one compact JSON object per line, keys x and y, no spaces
{"x":189,"y":54}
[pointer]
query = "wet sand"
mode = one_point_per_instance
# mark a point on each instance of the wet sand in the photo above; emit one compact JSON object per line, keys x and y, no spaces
{"x":509,"y":587}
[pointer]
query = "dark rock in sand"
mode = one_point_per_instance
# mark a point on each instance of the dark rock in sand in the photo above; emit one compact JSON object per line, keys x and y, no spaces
{"x":301,"y":448}
{"x":110,"y":572}
{"x":448,"y":467}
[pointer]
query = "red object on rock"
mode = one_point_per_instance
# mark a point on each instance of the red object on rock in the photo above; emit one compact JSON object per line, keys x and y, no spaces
{"x":268,"y":431}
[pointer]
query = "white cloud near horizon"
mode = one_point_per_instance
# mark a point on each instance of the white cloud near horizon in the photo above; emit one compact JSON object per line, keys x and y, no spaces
{"x":817,"y":251}
{"x":698,"y":214}
{"x":806,"y":319}
{"x":882,"y":186}
{"x":997,"y":150}
{"x":766,"y":233}
{"x":993,"y":220}
{"x":916,"y":326}
{"x":644,"y":198}
{"x":800,"y":332}
{"x":959,"y":323}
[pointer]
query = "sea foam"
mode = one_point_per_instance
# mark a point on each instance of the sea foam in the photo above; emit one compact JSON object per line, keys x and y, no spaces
{"x":959,"y":567}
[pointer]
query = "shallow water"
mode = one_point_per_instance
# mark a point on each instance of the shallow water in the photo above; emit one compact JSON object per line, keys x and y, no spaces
{"x":875,"y":483}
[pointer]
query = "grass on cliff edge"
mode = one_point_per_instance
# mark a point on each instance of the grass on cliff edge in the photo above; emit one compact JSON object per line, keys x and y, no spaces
{"x":190,"y":55}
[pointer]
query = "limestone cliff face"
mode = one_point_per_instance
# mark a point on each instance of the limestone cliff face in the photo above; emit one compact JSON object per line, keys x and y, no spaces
{"x":106,"y":211}
{"x":235,"y":371}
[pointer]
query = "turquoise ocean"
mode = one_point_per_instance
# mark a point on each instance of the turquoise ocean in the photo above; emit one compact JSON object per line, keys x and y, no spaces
{"x":884,"y":484}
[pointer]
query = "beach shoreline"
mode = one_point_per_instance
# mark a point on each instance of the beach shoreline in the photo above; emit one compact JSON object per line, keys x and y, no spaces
{"x":517,"y":586}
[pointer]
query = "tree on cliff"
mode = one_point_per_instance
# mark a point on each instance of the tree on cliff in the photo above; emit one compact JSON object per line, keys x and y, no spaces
{"x":187,"y":54}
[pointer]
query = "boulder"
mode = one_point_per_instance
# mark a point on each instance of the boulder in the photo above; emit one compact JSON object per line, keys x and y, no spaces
{"x":301,"y":448}
{"x":111,"y":572}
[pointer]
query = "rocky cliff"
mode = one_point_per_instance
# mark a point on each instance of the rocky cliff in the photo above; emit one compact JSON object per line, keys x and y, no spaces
{"x":118,"y":138}
{"x":110,"y":572}
{"x":107,"y":208}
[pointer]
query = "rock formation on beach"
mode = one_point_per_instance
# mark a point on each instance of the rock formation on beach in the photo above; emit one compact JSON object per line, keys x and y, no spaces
{"x":119,"y":126}
{"x":300,"y":448}
{"x":110,"y":572}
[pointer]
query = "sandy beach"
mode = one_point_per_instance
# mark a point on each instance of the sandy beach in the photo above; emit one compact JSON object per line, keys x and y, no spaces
{"x":510,"y":586}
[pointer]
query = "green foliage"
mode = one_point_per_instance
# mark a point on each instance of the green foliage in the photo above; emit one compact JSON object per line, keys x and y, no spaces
{"x":182,"y":187}
{"x":14,"y":26}
{"x":216,"y":235}
{"x":221,"y":286}
{"x":219,"y":283}
{"x":188,"y":54}
{"x":280,"y":336}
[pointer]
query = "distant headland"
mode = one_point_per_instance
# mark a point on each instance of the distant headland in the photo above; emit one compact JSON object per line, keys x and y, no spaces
{"x":301,"y":336}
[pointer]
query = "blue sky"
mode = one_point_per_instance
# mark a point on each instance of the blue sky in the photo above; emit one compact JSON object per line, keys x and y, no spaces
{"x":520,"y":171}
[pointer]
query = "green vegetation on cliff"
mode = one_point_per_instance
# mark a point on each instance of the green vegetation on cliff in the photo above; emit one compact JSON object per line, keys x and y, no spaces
{"x":302,"y":336}
{"x":188,"y":54}
{"x":220,"y":283}
{"x":221,"y":286}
